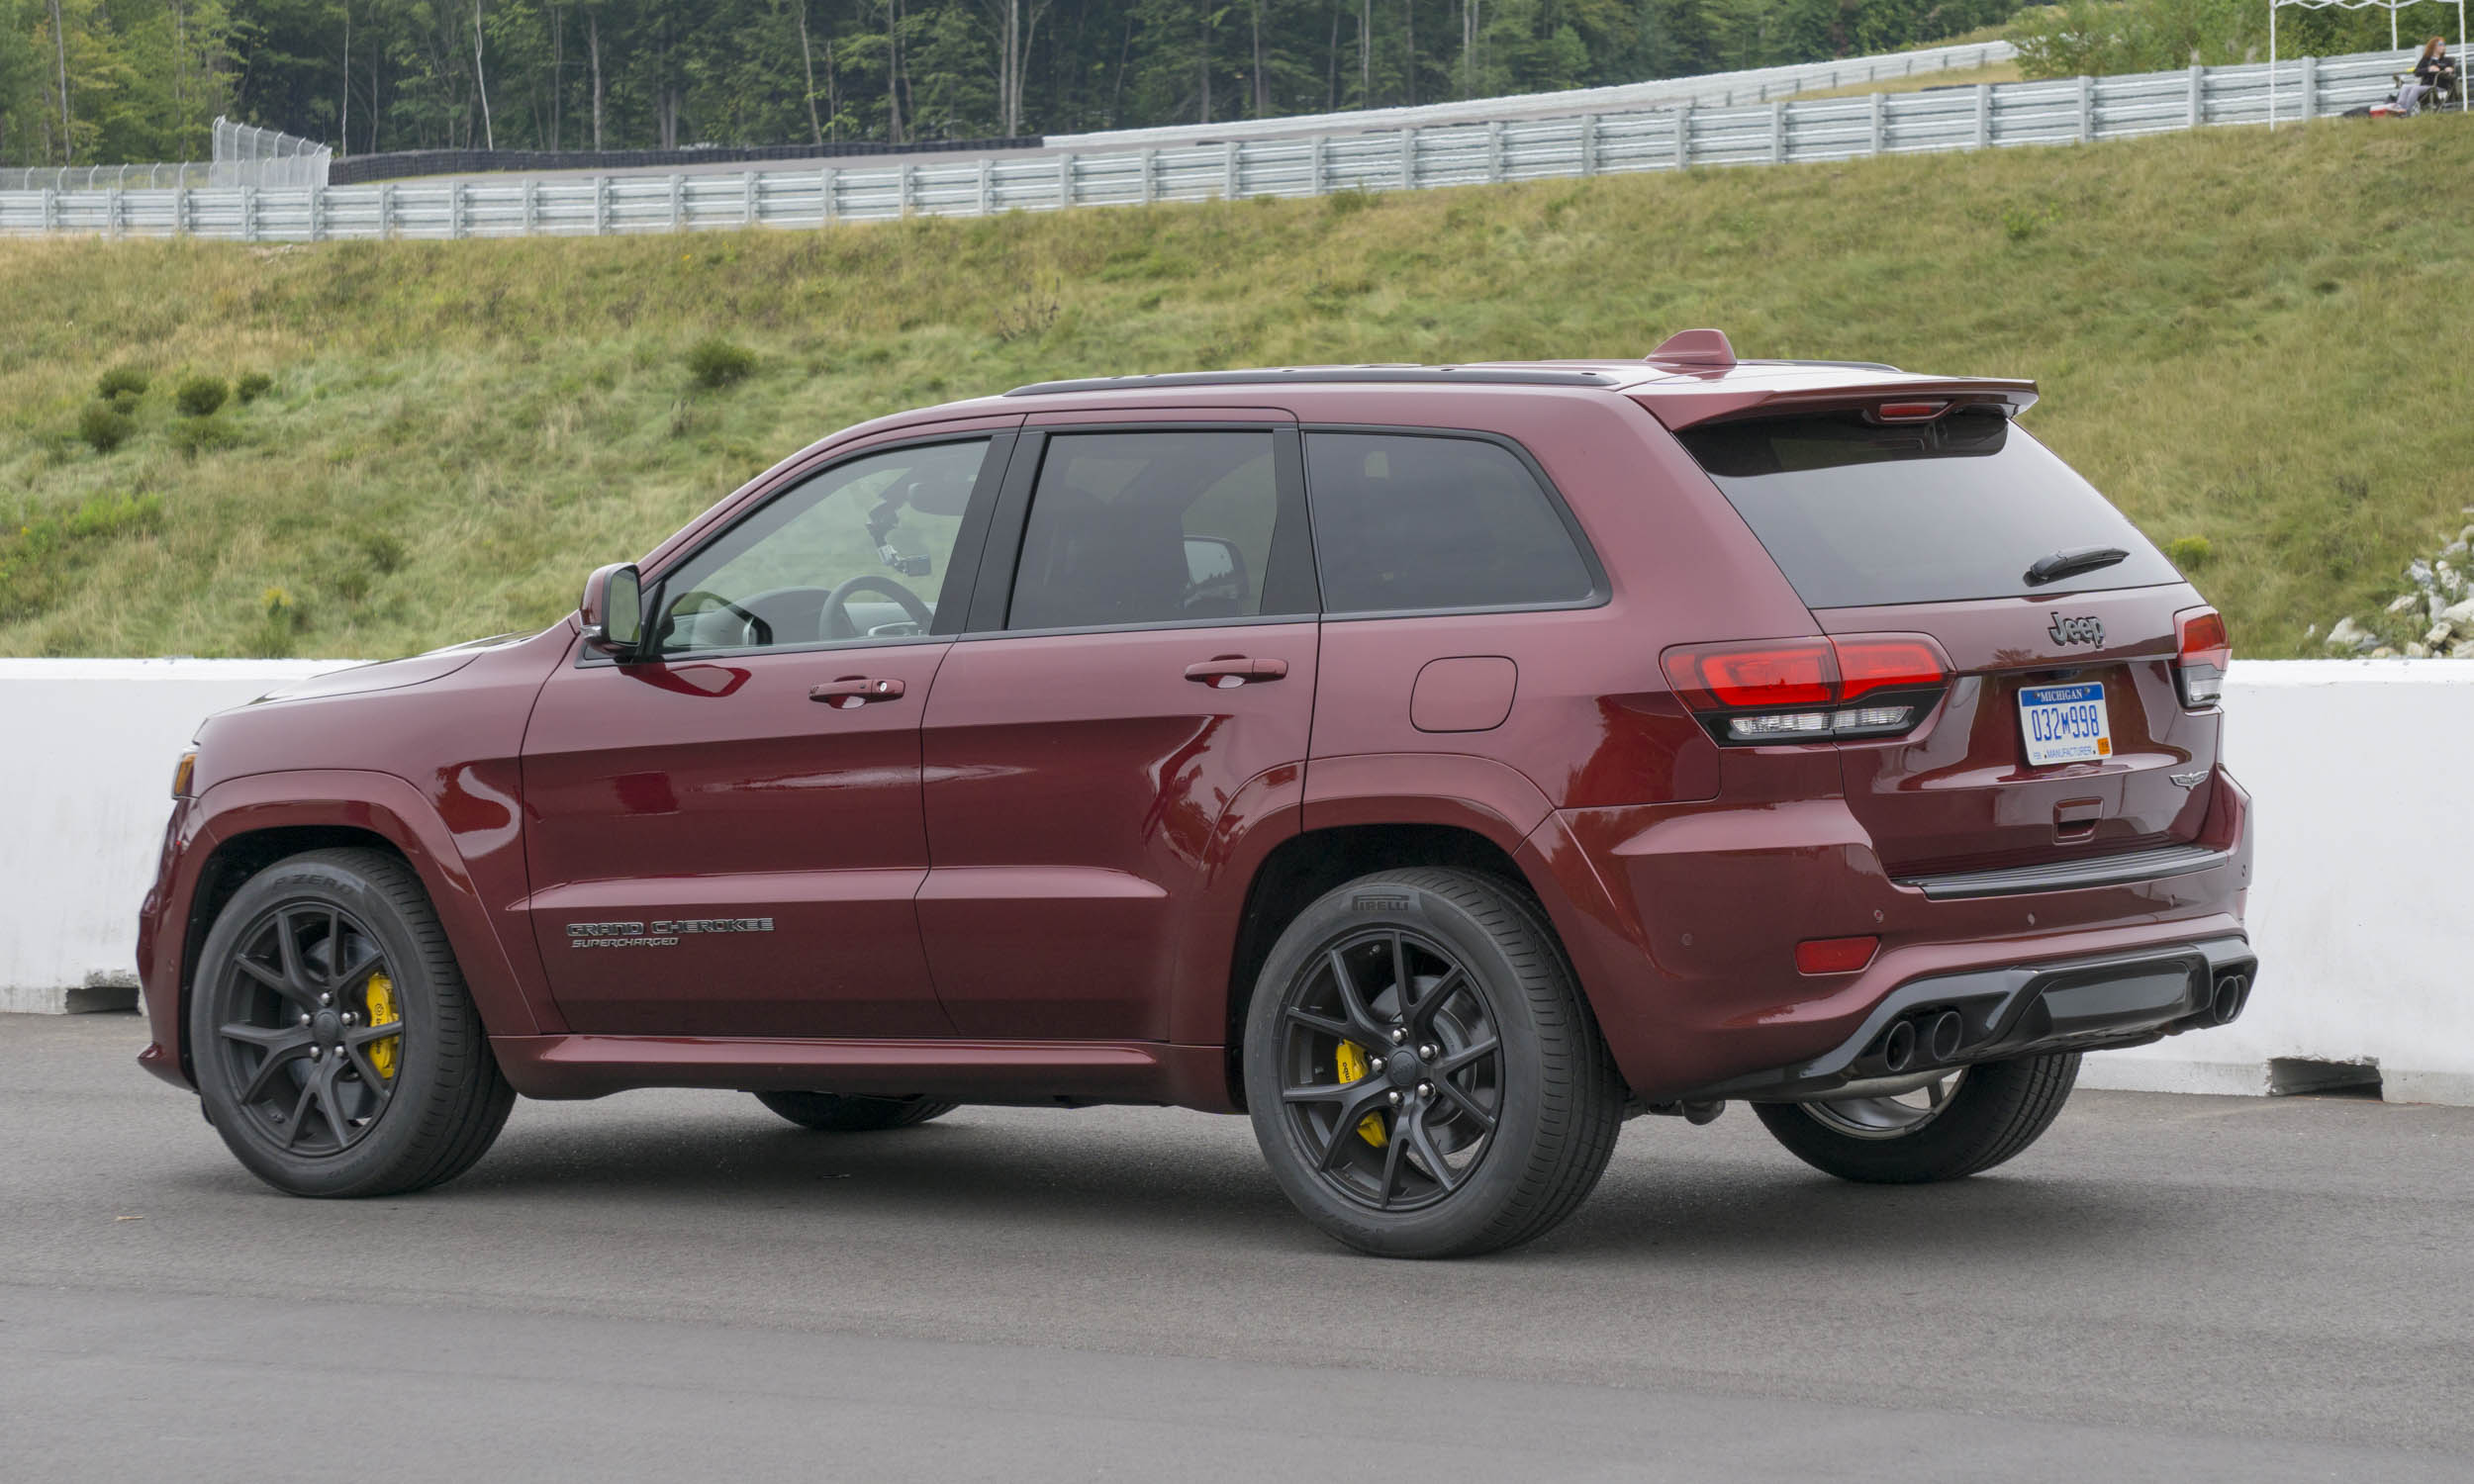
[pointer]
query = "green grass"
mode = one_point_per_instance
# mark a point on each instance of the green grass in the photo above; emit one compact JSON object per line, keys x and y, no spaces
{"x":2240,"y":337}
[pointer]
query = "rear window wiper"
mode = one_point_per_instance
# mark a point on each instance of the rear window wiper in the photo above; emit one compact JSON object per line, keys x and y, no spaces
{"x":2064,"y":564}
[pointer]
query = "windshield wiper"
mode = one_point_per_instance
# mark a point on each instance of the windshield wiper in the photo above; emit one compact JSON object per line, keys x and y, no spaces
{"x":2064,"y":564}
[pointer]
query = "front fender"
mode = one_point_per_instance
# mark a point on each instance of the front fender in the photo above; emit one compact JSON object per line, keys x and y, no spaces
{"x":508,"y":987}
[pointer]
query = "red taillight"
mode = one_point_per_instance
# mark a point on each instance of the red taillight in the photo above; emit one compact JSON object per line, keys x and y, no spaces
{"x":1909,"y":411}
{"x":1775,"y":673}
{"x":1782,"y":677}
{"x":1884,"y":664}
{"x":1834,"y":954}
{"x":2205,"y":654}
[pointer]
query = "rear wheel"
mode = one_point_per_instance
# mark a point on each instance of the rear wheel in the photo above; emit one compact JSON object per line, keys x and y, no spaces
{"x":1968,"y":1121}
{"x":833,"y":1113}
{"x":1423,"y":1075}
{"x":336,"y":1049}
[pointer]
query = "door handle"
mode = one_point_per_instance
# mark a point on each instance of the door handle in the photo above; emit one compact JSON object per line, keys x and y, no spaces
{"x":852,"y":692}
{"x":1232,"y":670}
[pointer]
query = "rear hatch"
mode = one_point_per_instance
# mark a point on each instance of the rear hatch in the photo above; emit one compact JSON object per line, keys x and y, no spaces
{"x":2059,"y":730}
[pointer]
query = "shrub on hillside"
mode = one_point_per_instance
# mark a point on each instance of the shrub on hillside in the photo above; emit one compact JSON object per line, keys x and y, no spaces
{"x":714,"y":362}
{"x":104,"y":426}
{"x":251,"y":386}
{"x":203,"y":434}
{"x":120,"y":381}
{"x":2189,"y":553}
{"x":200,"y":396}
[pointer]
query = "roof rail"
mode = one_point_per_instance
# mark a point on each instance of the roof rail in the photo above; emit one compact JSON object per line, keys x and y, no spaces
{"x":1465,"y":375}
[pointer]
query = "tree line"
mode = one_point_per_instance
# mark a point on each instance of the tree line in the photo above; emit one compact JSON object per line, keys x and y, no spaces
{"x":105,"y":81}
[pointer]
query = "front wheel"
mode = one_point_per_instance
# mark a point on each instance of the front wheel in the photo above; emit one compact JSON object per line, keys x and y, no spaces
{"x":1422,"y":1071}
{"x":1956,"y":1126}
{"x":336,"y":1049}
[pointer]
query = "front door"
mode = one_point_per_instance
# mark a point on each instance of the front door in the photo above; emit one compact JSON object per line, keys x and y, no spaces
{"x":726,"y":835}
{"x":1144,"y":648}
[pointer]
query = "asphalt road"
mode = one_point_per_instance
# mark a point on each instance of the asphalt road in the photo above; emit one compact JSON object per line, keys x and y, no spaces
{"x":676,"y":1285}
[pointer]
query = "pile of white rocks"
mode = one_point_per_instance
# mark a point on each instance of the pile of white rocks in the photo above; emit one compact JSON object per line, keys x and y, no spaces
{"x":2440,"y":595}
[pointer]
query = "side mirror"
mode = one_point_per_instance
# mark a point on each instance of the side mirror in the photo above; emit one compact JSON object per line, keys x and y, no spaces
{"x":612,"y":609}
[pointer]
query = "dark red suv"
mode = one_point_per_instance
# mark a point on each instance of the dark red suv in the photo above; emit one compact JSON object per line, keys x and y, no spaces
{"x":1439,"y":764}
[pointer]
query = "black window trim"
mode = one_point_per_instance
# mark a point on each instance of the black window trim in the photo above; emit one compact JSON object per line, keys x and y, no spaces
{"x":1600,"y":593}
{"x":1291,"y":558}
{"x":965,"y":557}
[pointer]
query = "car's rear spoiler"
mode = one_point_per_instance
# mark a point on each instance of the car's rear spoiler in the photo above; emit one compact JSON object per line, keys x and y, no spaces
{"x":1690,"y":402}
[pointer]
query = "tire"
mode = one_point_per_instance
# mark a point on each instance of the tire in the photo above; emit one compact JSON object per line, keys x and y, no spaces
{"x":1997,"y":1110}
{"x":833,"y":1113}
{"x":396,"y":1113}
{"x":1487,"y":971}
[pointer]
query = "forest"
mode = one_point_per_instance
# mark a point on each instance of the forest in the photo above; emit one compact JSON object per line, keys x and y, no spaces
{"x":109,"y":81}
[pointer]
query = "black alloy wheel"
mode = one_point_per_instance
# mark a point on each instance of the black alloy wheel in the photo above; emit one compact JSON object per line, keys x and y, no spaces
{"x":1392,"y":1071}
{"x":1422,"y":1072}
{"x":306,"y":1027}
{"x":335,"y":1048}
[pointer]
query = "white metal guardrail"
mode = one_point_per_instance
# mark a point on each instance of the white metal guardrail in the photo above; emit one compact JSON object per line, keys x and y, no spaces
{"x":1985,"y":116}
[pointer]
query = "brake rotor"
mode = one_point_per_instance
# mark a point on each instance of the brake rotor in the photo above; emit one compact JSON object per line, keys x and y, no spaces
{"x":380,"y":1002}
{"x":1353,"y":1065}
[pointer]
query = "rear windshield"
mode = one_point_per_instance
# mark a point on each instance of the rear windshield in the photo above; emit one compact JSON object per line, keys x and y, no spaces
{"x":1855,"y":514}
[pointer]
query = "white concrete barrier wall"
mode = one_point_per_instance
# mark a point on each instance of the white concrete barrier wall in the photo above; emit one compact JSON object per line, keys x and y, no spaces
{"x":2362,"y":768}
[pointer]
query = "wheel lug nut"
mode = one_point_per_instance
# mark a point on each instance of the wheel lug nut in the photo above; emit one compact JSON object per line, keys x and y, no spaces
{"x":351,"y":1019}
{"x":1425,"y":1090}
{"x":1393,"y":1097}
{"x":304,"y":1020}
{"x":325,"y":999}
{"x":1424,"y":1053}
{"x":1399,"y":1035}
{"x":317,"y":1052}
{"x":1376,"y":1064}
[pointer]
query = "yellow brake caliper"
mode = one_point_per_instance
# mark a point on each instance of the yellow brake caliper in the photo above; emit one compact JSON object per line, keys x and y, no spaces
{"x":1351,"y":1063}
{"x":382,"y":1011}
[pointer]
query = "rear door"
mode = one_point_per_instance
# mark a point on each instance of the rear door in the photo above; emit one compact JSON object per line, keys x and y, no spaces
{"x":2047,"y":601}
{"x":1143,"y":650}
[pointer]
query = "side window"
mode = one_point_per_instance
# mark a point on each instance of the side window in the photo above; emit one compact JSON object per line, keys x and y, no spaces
{"x":1147,"y":527}
{"x":1405,"y":522}
{"x":863,"y":550}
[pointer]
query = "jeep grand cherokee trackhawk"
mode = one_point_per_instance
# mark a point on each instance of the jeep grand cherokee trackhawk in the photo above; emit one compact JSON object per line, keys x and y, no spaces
{"x":1436,"y":764}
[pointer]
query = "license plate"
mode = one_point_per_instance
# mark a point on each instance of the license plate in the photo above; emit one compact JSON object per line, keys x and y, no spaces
{"x":2065,"y":725}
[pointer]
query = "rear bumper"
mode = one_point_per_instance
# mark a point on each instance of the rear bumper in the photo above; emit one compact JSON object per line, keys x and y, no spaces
{"x":2082,"y":1005}
{"x":1682,"y":920}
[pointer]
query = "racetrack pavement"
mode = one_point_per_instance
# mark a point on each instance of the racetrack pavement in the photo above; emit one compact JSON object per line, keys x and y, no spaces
{"x":677,"y":1284}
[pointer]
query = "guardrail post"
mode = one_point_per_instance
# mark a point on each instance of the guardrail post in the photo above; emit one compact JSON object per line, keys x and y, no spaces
{"x":248,"y":214}
{"x":1880,"y":130}
{"x":1778,"y":132}
{"x":112,"y":212}
{"x":1984,"y":115}
{"x":532,"y":205}
{"x":456,"y":209}
{"x":678,"y":202}
{"x":1145,"y":163}
{"x":2087,"y":106}
{"x":1589,"y":143}
{"x":1495,"y":152}
{"x":1232,"y":182}
{"x":318,"y":214}
{"x":386,"y":211}
{"x":601,"y":205}
{"x":747,"y":198}
{"x":1683,"y":138}
{"x":51,"y":208}
{"x":180,"y":211}
{"x":2311,"y":86}
{"x":829,"y":185}
{"x":988,"y":185}
{"x":1314,"y":167}
{"x":1064,"y":181}
{"x":2199,"y":95}
{"x":901,"y":191}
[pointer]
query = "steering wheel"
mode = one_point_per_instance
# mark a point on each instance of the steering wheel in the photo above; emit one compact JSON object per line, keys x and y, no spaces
{"x":837,"y":624}
{"x":758,"y":633}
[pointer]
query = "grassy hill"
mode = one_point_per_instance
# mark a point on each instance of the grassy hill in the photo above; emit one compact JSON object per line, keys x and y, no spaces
{"x":2255,"y":340}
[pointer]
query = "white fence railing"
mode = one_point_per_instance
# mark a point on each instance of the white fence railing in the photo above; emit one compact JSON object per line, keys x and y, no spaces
{"x":1985,"y":116}
{"x":243,"y":156}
